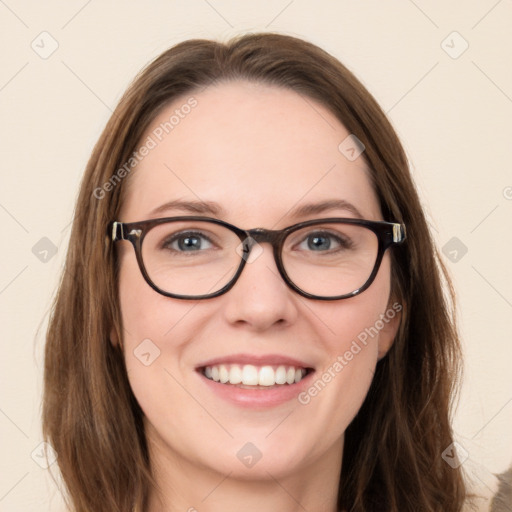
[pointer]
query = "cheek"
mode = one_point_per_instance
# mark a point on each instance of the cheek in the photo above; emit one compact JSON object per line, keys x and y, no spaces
{"x":145,"y":313}
{"x":340,"y":385}
{"x":139,"y":303}
{"x":351,"y":335}
{"x":149,"y":323}
{"x":356,"y":320}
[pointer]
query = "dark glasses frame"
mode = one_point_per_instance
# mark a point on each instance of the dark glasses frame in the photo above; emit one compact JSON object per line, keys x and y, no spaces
{"x":388,"y":235}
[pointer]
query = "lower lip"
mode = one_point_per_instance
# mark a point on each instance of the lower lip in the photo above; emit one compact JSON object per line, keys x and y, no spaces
{"x":261,"y":397}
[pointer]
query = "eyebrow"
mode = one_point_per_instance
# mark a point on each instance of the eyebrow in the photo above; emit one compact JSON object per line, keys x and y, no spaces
{"x":325,"y":206}
{"x":212,"y":208}
{"x":202,"y":207}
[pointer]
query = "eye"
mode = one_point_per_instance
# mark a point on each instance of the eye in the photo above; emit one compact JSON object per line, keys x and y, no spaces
{"x":320,"y":241}
{"x":188,"y":241}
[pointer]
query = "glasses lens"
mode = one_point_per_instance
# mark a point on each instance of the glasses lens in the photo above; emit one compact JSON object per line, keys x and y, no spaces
{"x":191,"y":257}
{"x":330,"y":259}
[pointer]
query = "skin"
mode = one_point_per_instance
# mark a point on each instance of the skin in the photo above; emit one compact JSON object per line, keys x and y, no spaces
{"x":258,"y":151}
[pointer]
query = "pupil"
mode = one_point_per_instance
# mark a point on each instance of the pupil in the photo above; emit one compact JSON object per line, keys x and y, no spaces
{"x":189,"y":243}
{"x":319,"y":242}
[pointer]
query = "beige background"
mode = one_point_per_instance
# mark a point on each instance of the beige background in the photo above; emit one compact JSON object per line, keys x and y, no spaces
{"x":453,"y":115}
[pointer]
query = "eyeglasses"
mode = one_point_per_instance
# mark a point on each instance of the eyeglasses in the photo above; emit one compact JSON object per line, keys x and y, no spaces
{"x":200,"y":257}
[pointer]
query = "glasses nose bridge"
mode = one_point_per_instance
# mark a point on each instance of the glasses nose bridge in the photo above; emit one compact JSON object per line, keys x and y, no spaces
{"x":262,"y":235}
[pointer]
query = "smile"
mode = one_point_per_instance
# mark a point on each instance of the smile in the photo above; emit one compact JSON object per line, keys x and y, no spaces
{"x":251,"y":375}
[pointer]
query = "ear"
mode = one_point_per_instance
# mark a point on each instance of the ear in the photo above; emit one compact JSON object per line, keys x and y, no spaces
{"x":114,"y":338}
{"x":391,"y":320}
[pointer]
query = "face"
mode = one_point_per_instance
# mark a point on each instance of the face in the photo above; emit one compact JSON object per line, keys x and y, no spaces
{"x":259,"y":153}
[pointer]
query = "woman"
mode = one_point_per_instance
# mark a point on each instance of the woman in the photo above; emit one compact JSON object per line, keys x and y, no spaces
{"x":243,"y":322}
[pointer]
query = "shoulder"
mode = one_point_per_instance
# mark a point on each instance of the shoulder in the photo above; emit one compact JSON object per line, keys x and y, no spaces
{"x":488,"y":492}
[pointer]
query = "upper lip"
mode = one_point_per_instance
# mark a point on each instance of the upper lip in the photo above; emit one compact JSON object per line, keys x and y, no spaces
{"x":256,"y":360}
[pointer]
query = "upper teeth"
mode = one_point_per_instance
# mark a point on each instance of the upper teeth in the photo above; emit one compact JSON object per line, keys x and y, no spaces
{"x":250,"y":375}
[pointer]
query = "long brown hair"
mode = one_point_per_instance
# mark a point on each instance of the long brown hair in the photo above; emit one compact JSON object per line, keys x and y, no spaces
{"x":392,"y":459}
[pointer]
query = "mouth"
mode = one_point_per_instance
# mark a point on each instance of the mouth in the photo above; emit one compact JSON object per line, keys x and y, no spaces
{"x":248,"y":376}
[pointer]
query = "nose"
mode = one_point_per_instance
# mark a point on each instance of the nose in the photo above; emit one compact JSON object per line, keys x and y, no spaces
{"x":260,"y":299}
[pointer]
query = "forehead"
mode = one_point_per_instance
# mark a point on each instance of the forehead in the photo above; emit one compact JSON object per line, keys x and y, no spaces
{"x":256,"y":150}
